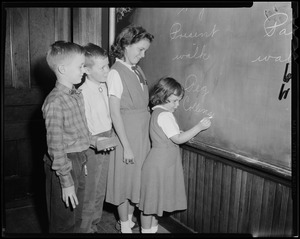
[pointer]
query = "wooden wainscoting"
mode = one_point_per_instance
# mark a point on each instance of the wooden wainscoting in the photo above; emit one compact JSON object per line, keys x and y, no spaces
{"x":225,"y":198}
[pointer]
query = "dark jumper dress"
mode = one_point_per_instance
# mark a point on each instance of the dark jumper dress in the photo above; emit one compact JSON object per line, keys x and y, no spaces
{"x":124,"y":179}
{"x":162,"y":184}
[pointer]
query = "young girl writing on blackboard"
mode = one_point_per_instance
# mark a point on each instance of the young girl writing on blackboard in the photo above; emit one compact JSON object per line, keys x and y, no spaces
{"x":162,"y":182}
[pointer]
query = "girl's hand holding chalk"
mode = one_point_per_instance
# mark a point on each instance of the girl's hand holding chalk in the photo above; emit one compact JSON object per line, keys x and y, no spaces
{"x":205,"y":122}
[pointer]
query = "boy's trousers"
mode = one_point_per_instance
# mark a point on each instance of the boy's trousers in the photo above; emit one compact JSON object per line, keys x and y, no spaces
{"x":95,"y":188}
{"x":64,"y":219}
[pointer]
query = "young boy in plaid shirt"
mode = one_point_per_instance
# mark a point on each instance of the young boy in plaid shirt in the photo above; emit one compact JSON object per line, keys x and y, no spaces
{"x":68,"y":138}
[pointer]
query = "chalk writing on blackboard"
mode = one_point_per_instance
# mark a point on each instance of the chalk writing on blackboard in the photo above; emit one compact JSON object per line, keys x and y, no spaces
{"x":194,"y":54}
{"x":275,"y":58}
{"x":193,"y":87}
{"x":176,"y":32}
{"x":231,"y":63}
{"x":195,"y":91}
{"x":198,"y":52}
{"x":201,"y":12}
{"x":273,"y":21}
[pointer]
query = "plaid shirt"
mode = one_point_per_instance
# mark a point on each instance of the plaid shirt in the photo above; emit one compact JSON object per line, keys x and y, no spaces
{"x":67,"y":129}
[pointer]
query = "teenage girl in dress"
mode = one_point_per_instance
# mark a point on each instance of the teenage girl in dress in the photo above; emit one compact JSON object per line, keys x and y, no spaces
{"x":128,"y":101}
{"x":162,"y":183}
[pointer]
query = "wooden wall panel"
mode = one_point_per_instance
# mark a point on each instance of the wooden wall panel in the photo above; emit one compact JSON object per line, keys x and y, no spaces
{"x":288,"y":229}
{"x":271,"y":208}
{"x":62,"y":24}
{"x":185,"y":164}
{"x":87,"y":26}
{"x":191,"y":199}
{"x":25,"y":156}
{"x":265,"y":228}
{"x":216,"y":196}
{"x":13,"y":192}
{"x":10,"y":164}
{"x":208,"y":180}
{"x":256,"y":204}
{"x":26,"y":129}
{"x":244,"y":210}
{"x":20,"y":48}
{"x":226,"y":199}
{"x":22,"y":113}
{"x":42,"y":32}
{"x":8,"y":50}
{"x":235,"y":193}
{"x":199,"y":196}
{"x":283,"y":210}
{"x":14,"y":97}
{"x":280,"y":212}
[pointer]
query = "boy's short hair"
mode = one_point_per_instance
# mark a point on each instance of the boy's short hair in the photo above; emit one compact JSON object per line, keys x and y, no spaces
{"x":61,"y":51}
{"x":93,"y":51}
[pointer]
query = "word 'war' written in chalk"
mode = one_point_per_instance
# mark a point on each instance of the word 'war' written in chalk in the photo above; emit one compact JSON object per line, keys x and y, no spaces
{"x":275,"y":58}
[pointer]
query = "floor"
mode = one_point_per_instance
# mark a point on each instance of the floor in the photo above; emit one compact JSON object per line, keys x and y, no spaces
{"x":22,"y":218}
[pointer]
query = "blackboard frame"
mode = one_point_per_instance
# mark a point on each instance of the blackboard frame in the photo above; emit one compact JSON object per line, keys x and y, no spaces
{"x":241,"y":159}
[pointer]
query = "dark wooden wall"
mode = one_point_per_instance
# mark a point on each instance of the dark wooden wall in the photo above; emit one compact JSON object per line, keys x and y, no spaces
{"x":225,"y":197}
{"x":27,"y":81}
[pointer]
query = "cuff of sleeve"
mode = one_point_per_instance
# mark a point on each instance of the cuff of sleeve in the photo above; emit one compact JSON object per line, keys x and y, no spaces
{"x":66,"y":180}
{"x":171,"y":135}
{"x":93,"y":141}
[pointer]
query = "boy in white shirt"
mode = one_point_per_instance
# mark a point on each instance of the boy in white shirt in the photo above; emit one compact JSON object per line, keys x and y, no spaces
{"x":95,"y":96}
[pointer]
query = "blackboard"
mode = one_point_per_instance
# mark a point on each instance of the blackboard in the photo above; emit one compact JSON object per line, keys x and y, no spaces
{"x":235,"y":64}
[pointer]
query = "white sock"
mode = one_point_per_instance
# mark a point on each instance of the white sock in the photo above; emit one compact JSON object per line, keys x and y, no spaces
{"x":131,"y":223}
{"x":146,"y":230}
{"x":125,"y":228}
{"x":154,"y":229}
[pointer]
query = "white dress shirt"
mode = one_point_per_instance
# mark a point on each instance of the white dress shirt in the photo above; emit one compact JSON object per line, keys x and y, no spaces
{"x":96,"y":107}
